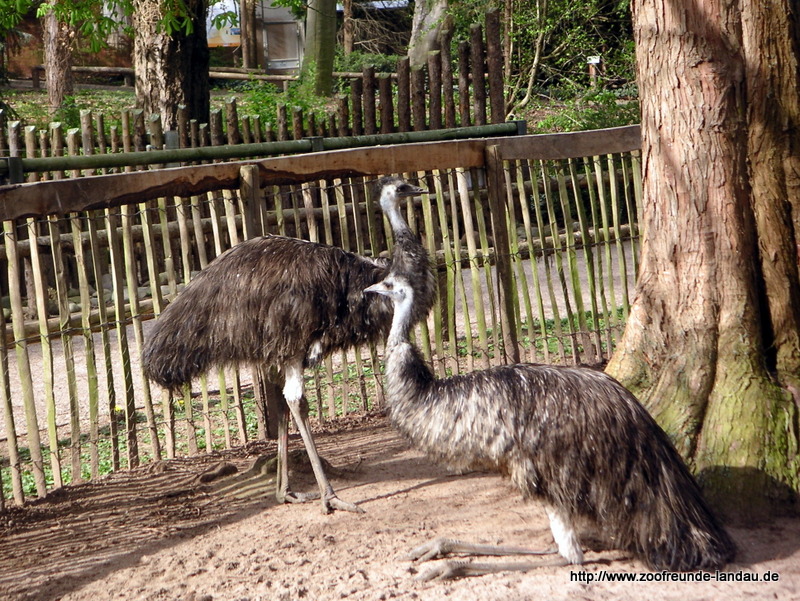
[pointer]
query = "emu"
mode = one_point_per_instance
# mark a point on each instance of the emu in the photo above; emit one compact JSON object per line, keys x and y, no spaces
{"x":572,"y":437}
{"x":284,"y":302}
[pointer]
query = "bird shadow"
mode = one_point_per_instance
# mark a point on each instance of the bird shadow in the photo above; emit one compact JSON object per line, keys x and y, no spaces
{"x":760,"y":512}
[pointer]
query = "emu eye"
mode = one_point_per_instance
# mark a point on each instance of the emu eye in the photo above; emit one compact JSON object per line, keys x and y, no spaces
{"x":389,"y":285}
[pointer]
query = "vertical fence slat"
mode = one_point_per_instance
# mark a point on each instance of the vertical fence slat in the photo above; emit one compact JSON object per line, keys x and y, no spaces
{"x":62,"y":298}
{"x":12,"y":442}
{"x":41,"y":296}
{"x":23,"y":359}
{"x":117,"y":263}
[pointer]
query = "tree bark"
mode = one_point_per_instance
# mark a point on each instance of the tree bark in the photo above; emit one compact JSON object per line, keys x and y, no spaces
{"x":321,"y":44}
{"x":171,"y":70}
{"x":694,"y":346}
{"x":429,"y":16}
{"x":58,"y":61}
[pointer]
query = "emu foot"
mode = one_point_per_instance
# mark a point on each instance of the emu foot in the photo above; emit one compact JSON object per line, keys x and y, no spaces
{"x":450,"y":570}
{"x":442,"y":547}
{"x":288,"y":496}
{"x":332,"y":502}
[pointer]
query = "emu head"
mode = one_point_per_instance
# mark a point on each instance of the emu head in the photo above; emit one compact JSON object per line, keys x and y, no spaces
{"x":396,"y":287}
{"x":392,"y":189}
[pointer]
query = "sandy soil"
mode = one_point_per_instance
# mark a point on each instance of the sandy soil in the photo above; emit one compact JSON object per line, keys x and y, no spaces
{"x":160,"y":533}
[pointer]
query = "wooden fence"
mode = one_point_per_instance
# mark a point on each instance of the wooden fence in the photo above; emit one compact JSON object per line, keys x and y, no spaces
{"x":534,"y":239}
{"x":430,"y":98}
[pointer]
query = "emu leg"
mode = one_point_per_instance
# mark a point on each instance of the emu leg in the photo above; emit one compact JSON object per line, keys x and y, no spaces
{"x":564,"y":534}
{"x":282,"y":492}
{"x":293,"y":393}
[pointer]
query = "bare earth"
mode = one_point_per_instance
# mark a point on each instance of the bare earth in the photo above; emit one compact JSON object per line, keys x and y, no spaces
{"x":160,"y":533}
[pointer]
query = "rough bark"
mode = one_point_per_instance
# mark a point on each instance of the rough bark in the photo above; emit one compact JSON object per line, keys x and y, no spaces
{"x":58,"y":61}
{"x":694,"y":346}
{"x":171,"y":70}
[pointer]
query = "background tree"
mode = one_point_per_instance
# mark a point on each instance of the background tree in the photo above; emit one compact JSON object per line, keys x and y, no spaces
{"x":171,"y":58}
{"x":320,"y":44}
{"x":426,"y":25}
{"x":64,"y":23}
{"x":711,"y":345}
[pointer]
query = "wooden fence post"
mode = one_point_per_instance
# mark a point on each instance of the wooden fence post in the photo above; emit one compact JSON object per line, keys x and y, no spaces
{"x":478,"y":69}
{"x":495,"y":184}
{"x":494,"y":64}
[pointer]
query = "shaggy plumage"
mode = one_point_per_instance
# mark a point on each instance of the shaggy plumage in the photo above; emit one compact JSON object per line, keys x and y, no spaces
{"x":272,"y":299}
{"x":286,"y":302}
{"x":572,"y":437}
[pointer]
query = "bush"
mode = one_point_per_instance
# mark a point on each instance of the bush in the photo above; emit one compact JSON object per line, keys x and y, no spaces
{"x":598,"y":109}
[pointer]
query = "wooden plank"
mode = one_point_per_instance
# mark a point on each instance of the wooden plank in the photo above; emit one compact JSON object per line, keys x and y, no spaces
{"x":505,"y":279}
{"x":107,"y":191}
{"x":571,"y":145}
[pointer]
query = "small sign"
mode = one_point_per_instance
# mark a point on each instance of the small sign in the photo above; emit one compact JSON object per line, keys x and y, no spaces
{"x":593,"y":60}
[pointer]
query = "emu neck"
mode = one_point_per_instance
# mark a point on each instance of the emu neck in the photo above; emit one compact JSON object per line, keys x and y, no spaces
{"x":401,"y":324}
{"x":391,"y":208}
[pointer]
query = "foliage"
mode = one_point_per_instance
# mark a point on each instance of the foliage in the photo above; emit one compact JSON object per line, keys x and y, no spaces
{"x":597,"y":109}
{"x":357,"y":60}
{"x":569,"y":31}
{"x":263,"y":98}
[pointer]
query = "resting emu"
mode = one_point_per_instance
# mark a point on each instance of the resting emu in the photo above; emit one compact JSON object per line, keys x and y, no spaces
{"x":288,"y":303}
{"x":573,"y":437}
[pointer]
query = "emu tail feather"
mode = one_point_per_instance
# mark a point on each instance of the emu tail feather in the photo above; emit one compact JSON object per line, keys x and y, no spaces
{"x":680,"y":533}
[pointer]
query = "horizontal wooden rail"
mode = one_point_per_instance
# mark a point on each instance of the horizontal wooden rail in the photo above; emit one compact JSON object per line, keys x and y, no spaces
{"x":17,"y":166}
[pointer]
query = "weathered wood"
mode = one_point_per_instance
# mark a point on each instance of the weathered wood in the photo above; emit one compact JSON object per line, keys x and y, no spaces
{"x":505,"y":278}
{"x":386,"y":104}
{"x":232,"y":122}
{"x":103,"y":191}
{"x":435,"y":90}
{"x":370,"y":117}
{"x":403,"y":94}
{"x":478,"y":70}
{"x":448,"y":99}
{"x":418,"y":107}
{"x":464,"y":104}
{"x":494,"y":67}
{"x":23,"y":360}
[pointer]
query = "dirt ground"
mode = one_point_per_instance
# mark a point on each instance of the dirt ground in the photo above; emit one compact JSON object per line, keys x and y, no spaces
{"x":160,"y":533}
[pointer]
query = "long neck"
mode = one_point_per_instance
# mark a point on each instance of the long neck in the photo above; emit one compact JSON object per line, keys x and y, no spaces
{"x":391,"y":207}
{"x":401,"y":324}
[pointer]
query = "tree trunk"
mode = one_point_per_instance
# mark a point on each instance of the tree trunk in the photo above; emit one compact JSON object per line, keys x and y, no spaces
{"x":426,"y":23}
{"x":247,"y":33}
{"x":171,"y":70}
{"x":348,"y":27}
{"x":58,"y":61}
{"x":694,"y":345}
{"x":321,"y":44}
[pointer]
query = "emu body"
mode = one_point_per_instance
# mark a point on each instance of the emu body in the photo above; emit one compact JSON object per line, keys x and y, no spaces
{"x":574,"y":438}
{"x":287,"y":303}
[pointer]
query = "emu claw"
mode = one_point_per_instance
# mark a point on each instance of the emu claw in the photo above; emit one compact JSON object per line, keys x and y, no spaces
{"x":334,"y":502}
{"x":447,"y":570}
{"x":298,"y":497}
{"x":439,"y":547}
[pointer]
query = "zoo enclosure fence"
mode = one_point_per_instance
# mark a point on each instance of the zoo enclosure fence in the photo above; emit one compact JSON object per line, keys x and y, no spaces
{"x":534,"y":240}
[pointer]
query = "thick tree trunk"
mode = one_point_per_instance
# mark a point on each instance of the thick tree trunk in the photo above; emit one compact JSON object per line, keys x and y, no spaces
{"x":694,"y":346}
{"x":171,"y":70}
{"x":58,"y":61}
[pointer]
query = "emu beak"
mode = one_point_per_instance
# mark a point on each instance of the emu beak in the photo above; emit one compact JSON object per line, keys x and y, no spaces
{"x":379,"y":288}
{"x":410,"y":190}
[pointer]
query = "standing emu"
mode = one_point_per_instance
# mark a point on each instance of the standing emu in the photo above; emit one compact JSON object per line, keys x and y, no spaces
{"x":287,"y":303}
{"x":573,"y":437}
